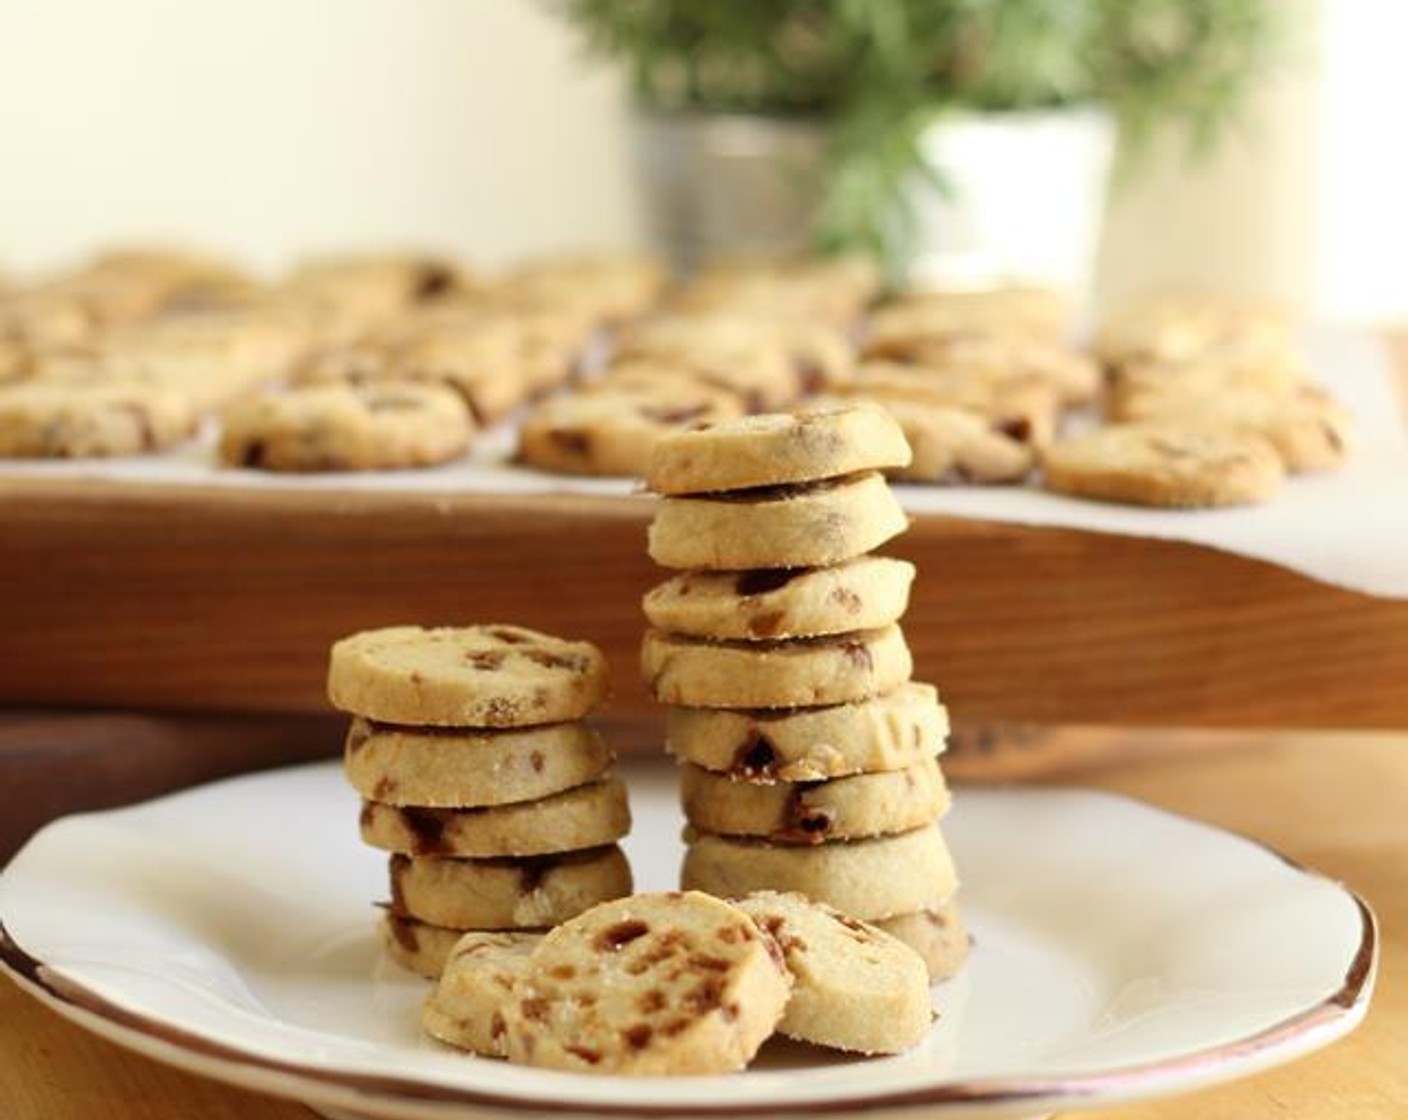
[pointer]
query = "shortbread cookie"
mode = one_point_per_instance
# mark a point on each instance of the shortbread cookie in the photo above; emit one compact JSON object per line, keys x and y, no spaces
{"x":1003,"y":313}
{"x":91,"y":421}
{"x":849,"y":808}
{"x":777,"y":449}
{"x":860,"y":594}
{"x":613,"y":430}
{"x":1076,"y":377}
{"x":461,"y":768}
{"x":759,"y":372}
{"x":777,"y":527}
{"x":610,"y":288}
{"x":938,"y":935}
{"x":654,"y":984}
{"x":344,"y":427}
{"x":471,"y":676}
{"x":869,"y":879}
{"x":954,"y":445}
{"x":891,"y":731}
{"x":479,"y":977}
{"x":418,"y":946}
{"x":585,"y":817}
{"x":534,"y":892}
{"x":1026,"y":408}
{"x":806,"y":671}
{"x":854,"y":987}
{"x":1181,"y":326}
{"x":1306,"y":427}
{"x":1165,"y":464}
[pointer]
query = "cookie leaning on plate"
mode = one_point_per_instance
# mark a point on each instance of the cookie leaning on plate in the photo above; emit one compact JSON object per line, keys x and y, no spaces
{"x":855,"y":987}
{"x":473,"y":676}
{"x":648,"y":985}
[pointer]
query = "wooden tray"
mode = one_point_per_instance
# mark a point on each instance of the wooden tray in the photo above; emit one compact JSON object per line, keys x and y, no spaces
{"x":216,"y":599}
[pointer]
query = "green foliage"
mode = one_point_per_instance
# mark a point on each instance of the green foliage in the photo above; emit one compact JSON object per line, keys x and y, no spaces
{"x":877,"y":71}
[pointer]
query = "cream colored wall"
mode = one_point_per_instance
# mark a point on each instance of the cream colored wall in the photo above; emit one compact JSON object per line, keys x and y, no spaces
{"x":272,"y":127}
{"x":267,"y":127}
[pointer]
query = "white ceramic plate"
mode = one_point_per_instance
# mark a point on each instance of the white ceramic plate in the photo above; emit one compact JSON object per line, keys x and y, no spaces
{"x":1121,"y":952}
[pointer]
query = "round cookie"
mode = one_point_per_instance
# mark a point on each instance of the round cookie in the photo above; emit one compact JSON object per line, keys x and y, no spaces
{"x":789,"y":674}
{"x":854,"y":987}
{"x":1074,"y":376}
{"x":1308,"y":430}
{"x":848,"y":808}
{"x":777,"y":527}
{"x":460,"y":768}
{"x":418,"y":946}
{"x":612,"y":430}
{"x":954,"y":445}
{"x":860,"y":594}
{"x":471,"y":676}
{"x":757,"y":371}
{"x":655,"y":984}
{"x":938,"y":935}
{"x":54,"y":421}
{"x":479,"y":975}
{"x":534,"y":892}
{"x":585,"y":817}
{"x":1165,"y":464}
{"x":869,"y":879}
{"x":777,"y":449}
{"x":383,"y":426}
{"x":887,"y":732}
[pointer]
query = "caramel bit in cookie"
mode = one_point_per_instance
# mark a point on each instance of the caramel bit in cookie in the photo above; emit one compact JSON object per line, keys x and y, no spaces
{"x":614,"y":938}
{"x":534,"y":1009}
{"x":780,"y":939}
{"x":731,"y":1011}
{"x":732,"y":935}
{"x":707,"y":963}
{"x":486,"y":660}
{"x":678,"y":415}
{"x":705,"y":996}
{"x":767,"y":624}
{"x":508,"y":635}
{"x":858,"y":654}
{"x":763,"y":580}
{"x":586,"y":1053}
{"x":532,"y":871}
{"x":854,"y":927}
{"x":1018,"y":428}
{"x":427,"y":827}
{"x":570,"y":441}
{"x":549,"y":660}
{"x":383,"y":789}
{"x":563,"y":972}
{"x":253,"y":454}
{"x":847,"y":599}
{"x":756,"y":758}
{"x":675,"y":1027}
{"x":357,"y":735}
{"x":536,"y":761}
{"x":365,"y":817}
{"x":651,"y":1001}
{"x":638,"y":1036}
{"x":497,"y":1026}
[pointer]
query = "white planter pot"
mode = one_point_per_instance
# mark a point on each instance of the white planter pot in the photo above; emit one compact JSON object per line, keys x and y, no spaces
{"x":1022,"y":200}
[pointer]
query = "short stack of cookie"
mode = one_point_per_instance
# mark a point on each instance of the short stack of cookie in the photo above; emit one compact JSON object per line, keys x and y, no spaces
{"x":477,"y":773}
{"x":809,"y":756}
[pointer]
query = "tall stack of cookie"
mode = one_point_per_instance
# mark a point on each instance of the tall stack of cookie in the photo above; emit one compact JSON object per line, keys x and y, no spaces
{"x":809,"y":755}
{"x":497,"y":803}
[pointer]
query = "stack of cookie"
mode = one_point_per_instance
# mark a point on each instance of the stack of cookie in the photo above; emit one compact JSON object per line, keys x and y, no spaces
{"x":808,"y":753}
{"x":477,"y":774}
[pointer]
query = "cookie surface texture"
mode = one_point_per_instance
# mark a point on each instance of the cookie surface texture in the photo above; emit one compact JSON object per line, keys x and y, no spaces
{"x":476,"y":676}
{"x":678,"y":983}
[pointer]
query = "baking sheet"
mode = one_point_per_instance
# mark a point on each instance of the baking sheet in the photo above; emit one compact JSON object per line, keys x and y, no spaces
{"x":1348,"y":527}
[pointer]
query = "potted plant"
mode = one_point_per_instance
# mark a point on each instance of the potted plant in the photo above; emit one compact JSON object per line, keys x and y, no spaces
{"x":964,"y":141}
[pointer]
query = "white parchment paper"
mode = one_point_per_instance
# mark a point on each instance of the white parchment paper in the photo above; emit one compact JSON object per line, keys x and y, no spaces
{"x":1347,"y":527}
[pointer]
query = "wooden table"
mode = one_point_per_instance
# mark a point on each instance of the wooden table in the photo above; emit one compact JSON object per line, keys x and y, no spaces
{"x":1335,"y":801}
